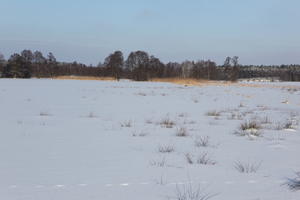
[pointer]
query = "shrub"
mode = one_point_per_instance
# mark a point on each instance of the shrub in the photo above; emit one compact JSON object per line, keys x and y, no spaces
{"x":249,"y":128}
{"x":250,"y":125}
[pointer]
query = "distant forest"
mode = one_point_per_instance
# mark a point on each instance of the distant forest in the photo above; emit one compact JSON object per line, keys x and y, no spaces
{"x":140,"y":66}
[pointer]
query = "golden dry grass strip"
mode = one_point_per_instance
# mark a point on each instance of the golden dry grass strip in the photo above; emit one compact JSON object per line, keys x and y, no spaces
{"x":95,"y":78}
{"x":186,"y":82}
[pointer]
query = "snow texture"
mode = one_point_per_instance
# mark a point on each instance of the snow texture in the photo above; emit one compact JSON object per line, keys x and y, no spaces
{"x":68,"y":139}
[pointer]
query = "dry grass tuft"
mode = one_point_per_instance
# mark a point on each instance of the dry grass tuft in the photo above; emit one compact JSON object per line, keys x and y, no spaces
{"x":250,"y":129}
{"x":126,"y":124}
{"x":189,"y":158}
{"x":182,"y":132}
{"x":158,"y":163}
{"x":246,"y":167}
{"x":190,"y":192}
{"x":250,"y":125}
{"x":166,"y":149}
{"x":202,"y":141}
{"x":213,"y":113}
{"x":167,"y":123}
{"x":139,"y":134}
{"x":204,"y":159}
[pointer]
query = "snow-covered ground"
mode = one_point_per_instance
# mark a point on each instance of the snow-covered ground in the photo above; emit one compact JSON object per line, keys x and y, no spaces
{"x":75,"y":140}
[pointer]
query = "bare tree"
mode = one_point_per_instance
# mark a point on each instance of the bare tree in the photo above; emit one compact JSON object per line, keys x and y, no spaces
{"x":227,"y":68}
{"x":114,"y":62}
{"x":156,"y":68}
{"x":137,"y":65}
{"x":51,"y":58}
{"x":2,"y":62}
{"x":186,"y":68}
{"x":38,"y":57}
{"x":2,"y":58}
{"x":234,"y":75}
{"x":27,"y":55}
{"x":17,"y":67}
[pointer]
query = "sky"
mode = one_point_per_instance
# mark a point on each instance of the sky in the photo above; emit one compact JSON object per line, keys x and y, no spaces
{"x":258,"y":31}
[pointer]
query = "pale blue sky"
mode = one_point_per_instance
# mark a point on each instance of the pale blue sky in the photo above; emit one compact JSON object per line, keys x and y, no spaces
{"x":258,"y":31}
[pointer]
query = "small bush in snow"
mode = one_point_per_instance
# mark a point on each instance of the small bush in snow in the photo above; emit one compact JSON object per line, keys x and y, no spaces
{"x":250,"y":129}
{"x":166,"y":149}
{"x":294,"y":184}
{"x":246,"y":167}
{"x":204,"y":159}
{"x":202,"y":141}
{"x":182,"y":132}
{"x":250,"y":125}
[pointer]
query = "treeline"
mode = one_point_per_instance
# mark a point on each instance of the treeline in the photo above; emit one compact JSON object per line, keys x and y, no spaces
{"x":139,"y":66}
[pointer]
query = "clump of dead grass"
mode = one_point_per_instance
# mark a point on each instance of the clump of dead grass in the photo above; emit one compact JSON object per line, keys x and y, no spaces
{"x":182,"y":132}
{"x":167,"y":123}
